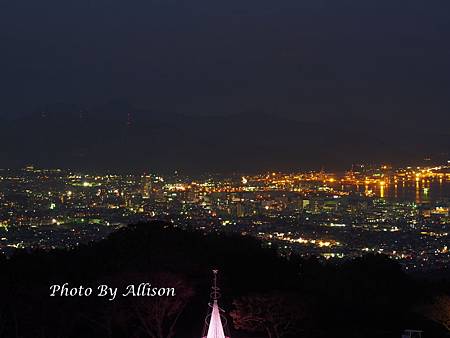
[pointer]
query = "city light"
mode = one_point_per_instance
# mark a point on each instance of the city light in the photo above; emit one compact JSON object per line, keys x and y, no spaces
{"x":333,"y":215}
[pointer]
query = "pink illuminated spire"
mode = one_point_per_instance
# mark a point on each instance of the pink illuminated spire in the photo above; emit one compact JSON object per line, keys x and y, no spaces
{"x":215,"y":328}
{"x":215,"y":325}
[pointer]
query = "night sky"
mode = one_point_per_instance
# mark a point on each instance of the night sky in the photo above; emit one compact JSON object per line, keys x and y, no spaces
{"x":368,"y":64}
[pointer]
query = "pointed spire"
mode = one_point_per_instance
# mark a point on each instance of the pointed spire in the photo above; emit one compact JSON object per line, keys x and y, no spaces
{"x":215,"y":326}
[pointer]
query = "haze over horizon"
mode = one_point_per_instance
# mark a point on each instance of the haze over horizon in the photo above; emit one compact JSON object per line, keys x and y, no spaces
{"x":196,"y":144}
{"x":237,"y":85}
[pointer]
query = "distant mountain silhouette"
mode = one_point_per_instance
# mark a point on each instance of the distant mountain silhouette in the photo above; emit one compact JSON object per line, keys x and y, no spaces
{"x":126,"y":139}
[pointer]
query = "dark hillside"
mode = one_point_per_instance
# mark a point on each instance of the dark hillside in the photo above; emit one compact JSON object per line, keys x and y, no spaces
{"x":367,"y":297}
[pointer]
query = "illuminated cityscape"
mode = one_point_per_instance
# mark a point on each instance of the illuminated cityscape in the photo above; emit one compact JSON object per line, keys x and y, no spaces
{"x":298,"y":150}
{"x":400,"y":212}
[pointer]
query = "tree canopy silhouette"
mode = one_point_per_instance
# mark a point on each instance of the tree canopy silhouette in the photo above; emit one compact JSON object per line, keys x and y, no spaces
{"x":369,"y":296}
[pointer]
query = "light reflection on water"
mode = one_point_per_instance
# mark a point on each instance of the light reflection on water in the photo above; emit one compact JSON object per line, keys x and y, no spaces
{"x":419,"y":191}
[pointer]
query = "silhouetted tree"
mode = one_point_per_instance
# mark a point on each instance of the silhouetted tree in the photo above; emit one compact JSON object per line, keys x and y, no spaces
{"x":439,"y":311}
{"x":2,"y":323}
{"x":369,"y":296}
{"x":276,"y":314}
{"x":158,"y":316}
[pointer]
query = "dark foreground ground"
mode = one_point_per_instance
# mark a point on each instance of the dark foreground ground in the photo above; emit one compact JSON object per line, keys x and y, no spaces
{"x":263,"y":294}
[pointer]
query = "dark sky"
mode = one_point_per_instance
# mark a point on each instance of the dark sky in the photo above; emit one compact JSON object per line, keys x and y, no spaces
{"x":377,"y":71}
{"x":301,"y":58}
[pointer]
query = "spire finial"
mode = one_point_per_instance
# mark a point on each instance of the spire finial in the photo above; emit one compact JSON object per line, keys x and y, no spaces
{"x":215,"y":322}
{"x":215,"y":290}
{"x":215,"y":272}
